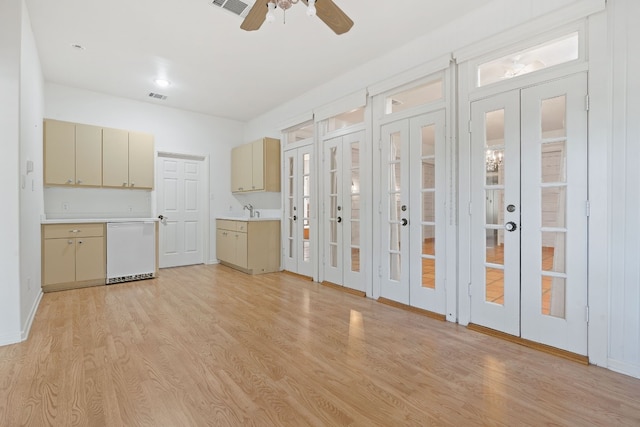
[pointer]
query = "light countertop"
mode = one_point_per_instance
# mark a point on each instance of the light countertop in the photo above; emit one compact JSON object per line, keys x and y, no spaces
{"x":240,"y":218}
{"x":94,"y":220}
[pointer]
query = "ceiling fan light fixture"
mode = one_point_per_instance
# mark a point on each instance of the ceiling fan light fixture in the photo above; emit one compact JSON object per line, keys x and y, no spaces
{"x":271,"y":17}
{"x":311,"y":8}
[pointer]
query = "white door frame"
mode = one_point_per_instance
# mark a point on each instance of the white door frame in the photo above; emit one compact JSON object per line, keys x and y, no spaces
{"x":205,"y":215}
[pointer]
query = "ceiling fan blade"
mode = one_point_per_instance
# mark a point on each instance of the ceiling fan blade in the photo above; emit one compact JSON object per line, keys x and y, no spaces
{"x":333,"y":16}
{"x":255,"y":17}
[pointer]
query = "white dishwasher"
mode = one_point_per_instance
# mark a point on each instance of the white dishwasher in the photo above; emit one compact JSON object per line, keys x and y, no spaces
{"x":131,"y":251}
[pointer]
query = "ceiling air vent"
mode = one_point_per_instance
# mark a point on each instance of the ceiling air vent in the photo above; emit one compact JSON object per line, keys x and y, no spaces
{"x":157,"y":96}
{"x":237,"y":7}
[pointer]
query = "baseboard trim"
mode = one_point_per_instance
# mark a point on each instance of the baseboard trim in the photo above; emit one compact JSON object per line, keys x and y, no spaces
{"x":343,"y":289}
{"x":426,"y":313}
{"x":624,"y":368}
{"x":531,"y":344}
{"x":32,"y":315}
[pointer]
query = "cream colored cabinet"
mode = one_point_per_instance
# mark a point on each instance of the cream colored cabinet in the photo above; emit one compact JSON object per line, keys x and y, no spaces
{"x":73,"y":256}
{"x":249,"y":246}
{"x":72,"y":154}
{"x":127,"y":159}
{"x":256,"y":166}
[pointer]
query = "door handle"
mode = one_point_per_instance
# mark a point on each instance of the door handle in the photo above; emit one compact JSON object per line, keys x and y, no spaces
{"x":510,"y":226}
{"x":339,"y":219}
{"x":404,"y":222}
{"x":295,"y":217}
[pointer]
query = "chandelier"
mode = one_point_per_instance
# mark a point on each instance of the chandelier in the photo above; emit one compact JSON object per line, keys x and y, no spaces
{"x":493,"y":160}
{"x":286,"y":4}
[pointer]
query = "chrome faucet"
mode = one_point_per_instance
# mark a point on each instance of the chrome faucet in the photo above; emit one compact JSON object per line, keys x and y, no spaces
{"x":249,"y":207}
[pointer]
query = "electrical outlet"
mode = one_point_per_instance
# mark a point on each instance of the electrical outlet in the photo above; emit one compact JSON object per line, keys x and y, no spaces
{"x":65,"y":206}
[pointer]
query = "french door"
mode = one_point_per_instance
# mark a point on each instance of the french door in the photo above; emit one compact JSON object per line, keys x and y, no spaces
{"x":298,"y":256}
{"x":413,"y":178}
{"x":342,"y":211}
{"x":529,"y":213}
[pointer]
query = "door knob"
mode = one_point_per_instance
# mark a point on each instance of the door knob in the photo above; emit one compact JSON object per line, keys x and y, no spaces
{"x":511,"y":226}
{"x":339,"y":219}
{"x":295,"y":217}
{"x":404,"y":222}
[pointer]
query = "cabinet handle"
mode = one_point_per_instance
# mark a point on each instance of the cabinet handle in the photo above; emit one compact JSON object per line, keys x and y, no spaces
{"x":124,"y":184}
{"x":69,"y":242}
{"x":133,"y":183}
{"x":75,"y":231}
{"x":79,"y":181}
{"x":80,"y":242}
{"x":69,"y":181}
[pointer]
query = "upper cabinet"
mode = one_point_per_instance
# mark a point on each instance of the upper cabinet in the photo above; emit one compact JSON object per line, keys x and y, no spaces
{"x":256,"y":166}
{"x":72,"y":154}
{"x":127,"y":159}
{"x":83,"y":155}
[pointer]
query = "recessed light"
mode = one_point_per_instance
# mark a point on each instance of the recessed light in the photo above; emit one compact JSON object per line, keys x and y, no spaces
{"x":162,"y":82}
{"x":77,"y":46}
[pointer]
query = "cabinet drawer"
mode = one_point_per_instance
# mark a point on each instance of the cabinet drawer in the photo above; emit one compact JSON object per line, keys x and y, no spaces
{"x":54,"y":231}
{"x":225,"y":224}
{"x":231,"y":225}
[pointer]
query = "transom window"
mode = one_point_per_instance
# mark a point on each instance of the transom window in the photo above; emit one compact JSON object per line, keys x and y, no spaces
{"x":414,"y":97}
{"x":345,"y":119}
{"x":549,"y":54}
{"x":299,"y":133}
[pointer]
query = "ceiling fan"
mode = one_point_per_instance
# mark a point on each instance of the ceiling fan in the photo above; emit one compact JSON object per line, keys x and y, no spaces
{"x":326,"y":10}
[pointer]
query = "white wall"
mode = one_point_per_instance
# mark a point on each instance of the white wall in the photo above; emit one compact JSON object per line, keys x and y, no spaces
{"x":31,"y":109}
{"x":624,"y":320}
{"x":10,"y":22}
{"x":175,"y":131}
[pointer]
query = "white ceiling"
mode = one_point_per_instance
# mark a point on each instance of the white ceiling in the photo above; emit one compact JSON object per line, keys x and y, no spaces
{"x":215,"y":67}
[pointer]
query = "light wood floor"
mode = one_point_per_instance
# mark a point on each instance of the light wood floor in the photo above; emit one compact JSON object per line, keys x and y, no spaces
{"x":206,"y":345}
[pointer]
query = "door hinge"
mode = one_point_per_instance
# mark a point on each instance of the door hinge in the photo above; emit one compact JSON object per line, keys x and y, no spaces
{"x":469,"y":208}
{"x":379,"y":271}
{"x":380,"y":144}
{"x":469,"y":289}
{"x":469,"y":124}
{"x":586,"y":314}
{"x":586,"y":102}
{"x":587,"y":208}
{"x":379,"y":207}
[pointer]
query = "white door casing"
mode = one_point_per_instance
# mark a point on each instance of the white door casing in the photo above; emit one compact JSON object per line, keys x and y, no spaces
{"x":180,"y":200}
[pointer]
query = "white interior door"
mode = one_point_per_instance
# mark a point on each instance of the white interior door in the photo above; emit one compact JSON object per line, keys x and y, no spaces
{"x":298,"y":175}
{"x":413,"y":176}
{"x":341,"y":213}
{"x":180,"y":199}
{"x":529,"y":213}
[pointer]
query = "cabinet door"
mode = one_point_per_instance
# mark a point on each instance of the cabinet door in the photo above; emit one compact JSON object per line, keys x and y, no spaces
{"x":59,"y":261}
{"x":140,"y":160}
{"x":241,"y":258}
{"x":225,"y":247}
{"x":88,"y":155}
{"x":241,"y":168}
{"x":271,"y":165}
{"x":59,"y":153}
{"x":115,"y":158}
{"x":90,"y":259}
{"x":257,"y":162}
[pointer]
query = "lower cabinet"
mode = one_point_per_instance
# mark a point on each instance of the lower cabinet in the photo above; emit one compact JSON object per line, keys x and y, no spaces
{"x":249,"y":246}
{"x":73,"y":256}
